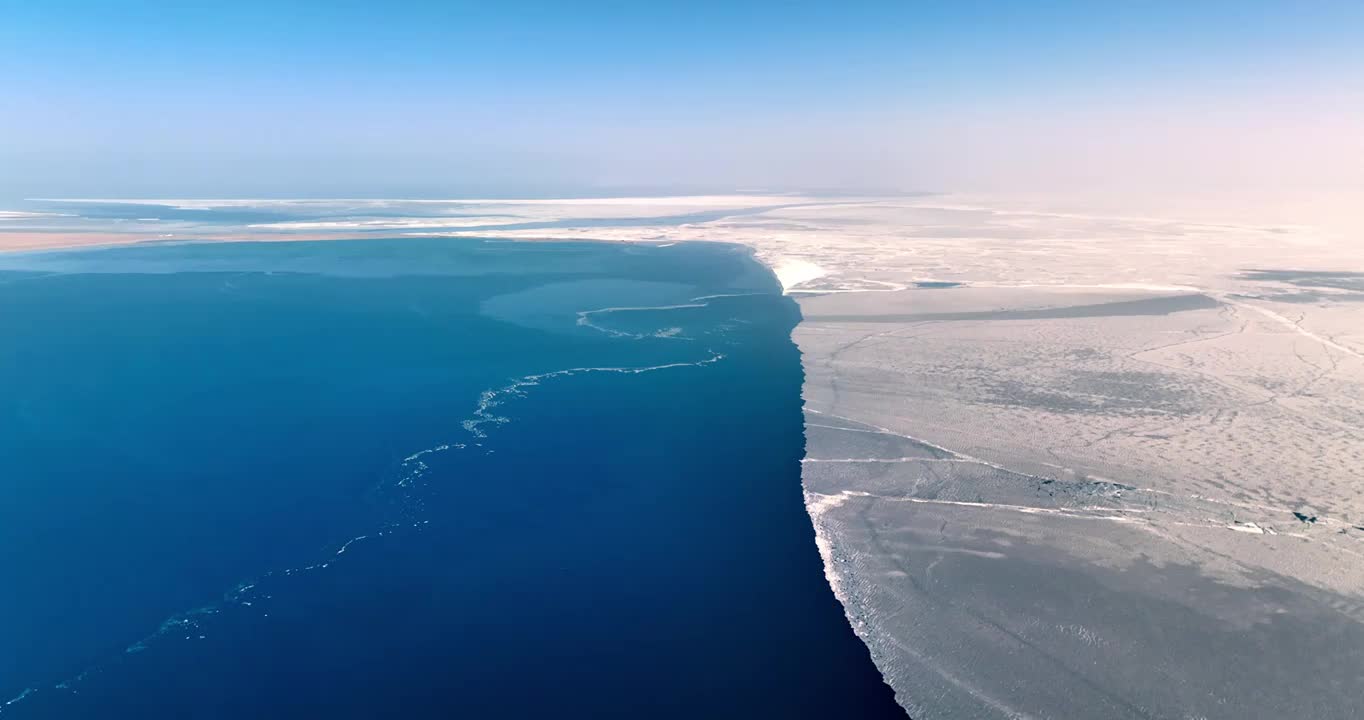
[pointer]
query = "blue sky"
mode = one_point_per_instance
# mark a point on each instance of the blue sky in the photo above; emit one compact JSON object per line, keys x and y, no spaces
{"x":436,"y":98}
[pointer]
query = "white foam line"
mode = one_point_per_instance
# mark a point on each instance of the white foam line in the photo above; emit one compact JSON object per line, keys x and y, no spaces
{"x":583,"y":320}
{"x":190,"y":621}
{"x":349,"y":542}
{"x":642,"y":307}
{"x":727,"y":295}
{"x":489,"y":399}
{"x":436,"y":449}
{"x":714,"y":357}
{"x":19,"y":698}
{"x":845,"y":290}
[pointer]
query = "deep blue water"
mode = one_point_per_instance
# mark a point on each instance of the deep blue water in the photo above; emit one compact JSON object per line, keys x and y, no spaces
{"x":409,"y":479}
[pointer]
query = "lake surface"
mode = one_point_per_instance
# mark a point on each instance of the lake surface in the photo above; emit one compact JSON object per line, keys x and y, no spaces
{"x":416,"y":478}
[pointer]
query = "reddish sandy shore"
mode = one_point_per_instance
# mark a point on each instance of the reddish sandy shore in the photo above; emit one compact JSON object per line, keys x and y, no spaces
{"x":19,"y":241}
{"x":14,"y":241}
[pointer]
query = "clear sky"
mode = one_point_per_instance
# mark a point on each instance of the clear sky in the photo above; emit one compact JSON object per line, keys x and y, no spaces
{"x":439,"y":98}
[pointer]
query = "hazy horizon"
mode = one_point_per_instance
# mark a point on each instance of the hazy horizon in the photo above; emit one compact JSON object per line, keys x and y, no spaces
{"x":427,"y":99}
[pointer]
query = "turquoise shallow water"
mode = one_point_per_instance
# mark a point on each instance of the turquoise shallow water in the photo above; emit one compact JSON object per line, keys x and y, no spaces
{"x":443,"y":478}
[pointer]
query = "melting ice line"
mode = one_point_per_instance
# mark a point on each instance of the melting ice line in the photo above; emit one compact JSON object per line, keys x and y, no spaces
{"x":490,"y":399}
{"x":824,"y":503}
{"x":1081,"y":512}
{"x":584,"y":316}
{"x":348,"y":543}
{"x":19,"y":698}
{"x":584,"y":319}
{"x":848,"y":429}
{"x":1295,"y":327}
{"x":189,"y":622}
{"x":921,"y":441}
{"x":727,"y":295}
{"x":642,"y":308}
